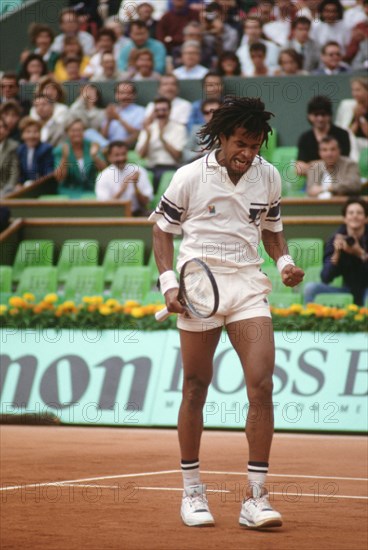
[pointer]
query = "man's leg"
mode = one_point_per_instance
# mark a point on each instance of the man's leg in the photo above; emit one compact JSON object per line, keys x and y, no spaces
{"x":197,"y":349}
{"x":253,"y":341}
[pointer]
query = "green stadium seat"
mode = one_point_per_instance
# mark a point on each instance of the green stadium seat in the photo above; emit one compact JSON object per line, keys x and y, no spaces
{"x":268,"y":152}
{"x":153,"y":266}
{"x":162,"y":186}
{"x":122,"y":252}
{"x":77,"y":253}
{"x":284,"y":159}
{"x":263,"y":254}
{"x":5,"y":278}
{"x":134,"y":158}
{"x":131,"y":283}
{"x":334,"y":299}
{"x":38,"y":280}
{"x":53,"y":198}
{"x":283,"y":299}
{"x":88,"y":197}
{"x":153,"y":297}
{"x":306,"y":252}
{"x":4,"y":297}
{"x":84,"y":281}
{"x":363,"y":163}
{"x":32,"y":253}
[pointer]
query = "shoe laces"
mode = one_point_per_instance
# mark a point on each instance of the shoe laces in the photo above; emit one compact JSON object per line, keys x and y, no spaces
{"x":198,"y":502}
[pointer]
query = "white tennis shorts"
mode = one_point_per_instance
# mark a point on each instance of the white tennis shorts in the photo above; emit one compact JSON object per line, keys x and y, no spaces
{"x":243,"y":295}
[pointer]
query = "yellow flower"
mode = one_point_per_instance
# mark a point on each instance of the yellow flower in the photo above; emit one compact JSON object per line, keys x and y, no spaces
{"x":137,"y":312}
{"x":16,"y":301}
{"x":96,"y":300}
{"x":86,"y":299}
{"x":358,"y":317}
{"x":105,"y":310}
{"x":296,"y":308}
{"x":51,"y":298}
{"x":111,"y":302}
{"x":3,"y":309}
{"x":69,"y":304}
{"x":131,"y":303}
{"x":29,"y":296}
{"x":352,"y":307}
{"x":13,"y":311}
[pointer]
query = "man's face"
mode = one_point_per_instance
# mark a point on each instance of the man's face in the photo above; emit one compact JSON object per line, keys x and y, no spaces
{"x":11,"y":118}
{"x":168,"y":87}
{"x":320,"y":120}
{"x":258,"y":58}
{"x":43,"y":40}
{"x":253,"y":30}
{"x":190,"y":56}
{"x":69,"y":24}
{"x":144,"y":64}
{"x":355,"y":218}
{"x":31,"y":136}
{"x":105,"y":44}
{"x":138,"y":35}
{"x":9,"y":88}
{"x":145,"y":12}
{"x":329,"y":152}
{"x":301,"y":33}
{"x":213,"y":87}
{"x":332,"y":57}
{"x":124,"y":94}
{"x":239,"y":150}
{"x":72,"y":70}
{"x":118,"y":156}
{"x":330,"y":13}
{"x":44,"y":108}
{"x":162,"y":111}
{"x":193,"y":33}
{"x":108,"y":64}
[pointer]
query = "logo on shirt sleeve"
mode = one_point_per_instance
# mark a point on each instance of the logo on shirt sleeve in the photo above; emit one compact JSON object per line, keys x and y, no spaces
{"x":211,"y":209}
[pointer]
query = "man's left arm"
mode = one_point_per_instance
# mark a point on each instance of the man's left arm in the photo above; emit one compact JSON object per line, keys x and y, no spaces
{"x":276,"y":247}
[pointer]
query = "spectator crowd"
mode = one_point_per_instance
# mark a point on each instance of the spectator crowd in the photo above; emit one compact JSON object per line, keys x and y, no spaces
{"x":83,"y":148}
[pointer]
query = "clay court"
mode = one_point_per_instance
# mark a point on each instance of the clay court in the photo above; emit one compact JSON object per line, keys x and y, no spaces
{"x":100,"y":488}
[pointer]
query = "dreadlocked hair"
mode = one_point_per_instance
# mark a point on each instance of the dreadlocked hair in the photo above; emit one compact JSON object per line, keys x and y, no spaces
{"x":244,"y":112}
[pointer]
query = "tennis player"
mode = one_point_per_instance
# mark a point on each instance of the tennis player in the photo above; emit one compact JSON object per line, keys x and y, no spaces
{"x":224,"y":204}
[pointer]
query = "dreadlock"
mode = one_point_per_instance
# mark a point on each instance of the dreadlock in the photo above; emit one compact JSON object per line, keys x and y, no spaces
{"x":244,"y":112}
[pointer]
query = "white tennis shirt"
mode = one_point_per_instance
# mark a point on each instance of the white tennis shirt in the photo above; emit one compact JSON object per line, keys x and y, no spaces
{"x":221,"y":222}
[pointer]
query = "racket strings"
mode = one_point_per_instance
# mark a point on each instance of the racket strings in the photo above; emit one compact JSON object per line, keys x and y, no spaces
{"x":198,"y":292}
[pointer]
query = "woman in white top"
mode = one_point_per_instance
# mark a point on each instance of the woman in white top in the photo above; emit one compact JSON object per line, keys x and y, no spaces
{"x":352,"y":114}
{"x":55,"y":92}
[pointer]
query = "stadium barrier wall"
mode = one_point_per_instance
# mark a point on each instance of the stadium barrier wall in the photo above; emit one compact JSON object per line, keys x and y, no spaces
{"x":132,"y":378}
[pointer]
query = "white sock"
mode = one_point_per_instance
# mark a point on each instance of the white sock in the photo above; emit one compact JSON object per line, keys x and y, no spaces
{"x":257,"y":472}
{"x":190,"y":472}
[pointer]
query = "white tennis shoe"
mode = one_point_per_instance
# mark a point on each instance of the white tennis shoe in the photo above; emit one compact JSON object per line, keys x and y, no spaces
{"x":194,"y":507}
{"x":257,"y":513}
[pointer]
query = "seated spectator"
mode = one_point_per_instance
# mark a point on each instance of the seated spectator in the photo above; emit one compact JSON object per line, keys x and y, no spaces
{"x":252,"y":35}
{"x":73,"y":70}
{"x":139,"y":38}
{"x":291,"y":63}
{"x":89,"y":106}
{"x":331,"y":57}
{"x":320,"y":117}
{"x":302,"y":43}
{"x":69,"y":25}
{"x":171,"y":25}
{"x":191,"y":68}
{"x":193,"y":31}
{"x":108,"y":68}
{"x":212,"y":88}
{"x":355,"y":14}
{"x":122,"y":181}
{"x":145,"y":13}
{"x":11,"y":112}
{"x":357,"y":49}
{"x":162,"y":141}
{"x":333,"y":174}
{"x":217,"y":34}
{"x":228,"y":64}
{"x":330,"y":25}
{"x":35,"y":158}
{"x":258,"y":52}
{"x":42,"y":37}
{"x":9,"y":170}
{"x":346,"y":255}
{"x":263,"y":11}
{"x":33,"y":68}
{"x":180,"y":108}
{"x":142,"y":66}
{"x":78,"y":161}
{"x":105,"y":42}
{"x":9,"y":89}
{"x":88,"y":13}
{"x":124,"y":119}
{"x":352,"y":114}
{"x":72,"y":50}
{"x":55,"y":92}
{"x":192,"y":150}
{"x":278,"y":31}
{"x":119,"y":29}
{"x":52,"y":132}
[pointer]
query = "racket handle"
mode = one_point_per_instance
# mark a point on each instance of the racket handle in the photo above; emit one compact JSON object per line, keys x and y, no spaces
{"x":162,"y":314}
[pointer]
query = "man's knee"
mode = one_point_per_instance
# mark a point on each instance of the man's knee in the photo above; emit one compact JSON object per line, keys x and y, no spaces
{"x":261,"y":390}
{"x":195,"y":390}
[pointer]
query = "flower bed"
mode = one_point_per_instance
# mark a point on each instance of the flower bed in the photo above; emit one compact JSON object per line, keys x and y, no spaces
{"x":97,"y":312}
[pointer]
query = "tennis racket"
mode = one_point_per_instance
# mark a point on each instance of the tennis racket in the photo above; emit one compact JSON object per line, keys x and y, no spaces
{"x":198,"y":291}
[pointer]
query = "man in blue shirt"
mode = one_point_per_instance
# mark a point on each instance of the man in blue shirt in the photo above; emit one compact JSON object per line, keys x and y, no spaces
{"x":139,"y":38}
{"x":124,"y":119}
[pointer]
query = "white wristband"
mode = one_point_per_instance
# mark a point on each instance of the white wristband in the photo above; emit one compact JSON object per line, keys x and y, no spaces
{"x":168,"y":280}
{"x":284,"y":261}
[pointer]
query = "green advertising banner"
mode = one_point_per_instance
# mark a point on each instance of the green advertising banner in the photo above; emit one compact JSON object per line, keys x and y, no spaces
{"x":132,"y":378}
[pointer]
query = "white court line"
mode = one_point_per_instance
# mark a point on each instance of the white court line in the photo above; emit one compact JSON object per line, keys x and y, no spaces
{"x":164,"y":472}
{"x":218,"y":491}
